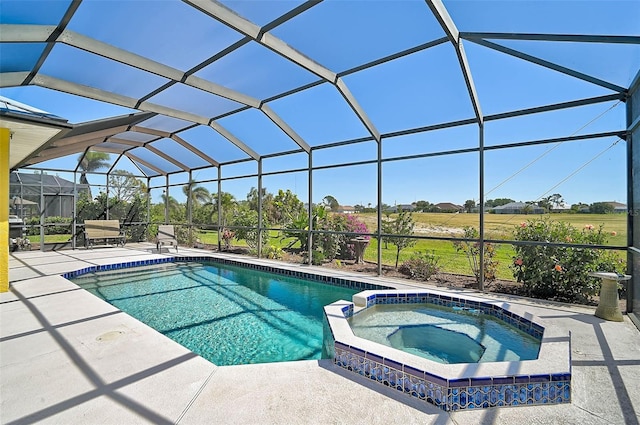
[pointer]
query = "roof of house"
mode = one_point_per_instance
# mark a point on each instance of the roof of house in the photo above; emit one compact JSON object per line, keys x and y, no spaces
{"x":449,"y":206}
{"x":515,"y":205}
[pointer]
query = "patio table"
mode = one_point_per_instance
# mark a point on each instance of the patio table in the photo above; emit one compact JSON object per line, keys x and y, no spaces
{"x":609,"y":306}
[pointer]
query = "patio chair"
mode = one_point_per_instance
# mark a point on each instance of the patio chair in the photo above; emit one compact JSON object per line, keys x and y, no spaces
{"x":166,"y":235}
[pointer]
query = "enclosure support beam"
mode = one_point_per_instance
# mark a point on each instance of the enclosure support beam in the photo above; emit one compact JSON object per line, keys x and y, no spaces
{"x":481,"y":206}
{"x":260,"y":208}
{"x":190,"y":208}
{"x":148,"y":206}
{"x":166,"y":200}
{"x":219,"y":202}
{"x":42,"y":211}
{"x":74,"y":220}
{"x":633,"y":181}
{"x":5,"y":135}
{"x":310,"y":210}
{"x":379,"y":207}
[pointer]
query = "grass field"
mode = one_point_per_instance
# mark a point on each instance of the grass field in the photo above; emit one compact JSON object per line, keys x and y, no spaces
{"x":497,"y":226}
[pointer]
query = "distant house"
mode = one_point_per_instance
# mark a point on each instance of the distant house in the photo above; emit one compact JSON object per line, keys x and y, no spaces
{"x":403,"y":207}
{"x":58,"y":195}
{"x":518,"y":208}
{"x":346,"y":209}
{"x":449,"y":207}
{"x":618,"y":207}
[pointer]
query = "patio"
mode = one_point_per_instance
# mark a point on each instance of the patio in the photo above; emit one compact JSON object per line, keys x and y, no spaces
{"x":94,"y":364}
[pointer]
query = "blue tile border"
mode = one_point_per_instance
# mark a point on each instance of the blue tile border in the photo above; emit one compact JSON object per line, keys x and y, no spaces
{"x":329,"y":280}
{"x":477,"y":392}
{"x":455,"y":394}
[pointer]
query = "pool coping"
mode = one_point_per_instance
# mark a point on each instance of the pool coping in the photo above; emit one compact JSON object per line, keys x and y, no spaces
{"x":545,"y":380}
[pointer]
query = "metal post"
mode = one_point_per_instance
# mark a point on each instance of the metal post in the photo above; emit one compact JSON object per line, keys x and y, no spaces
{"x":219,"y":201}
{"x":107,"y":201}
{"x":633,"y":128}
{"x":259,"y":207}
{"x":189,"y":207}
{"x":75,"y":211}
{"x":310,"y":210}
{"x":379,"y":209}
{"x":148,"y":205}
{"x":42,"y":210}
{"x":481,"y":209}
{"x":166,"y":200}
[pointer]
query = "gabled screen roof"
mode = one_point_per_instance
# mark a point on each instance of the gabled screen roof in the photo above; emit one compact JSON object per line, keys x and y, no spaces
{"x":176,"y":86}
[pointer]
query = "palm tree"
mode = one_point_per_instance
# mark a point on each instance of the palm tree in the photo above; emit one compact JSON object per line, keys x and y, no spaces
{"x":196,"y":195}
{"x":199,"y":195}
{"x":90,"y":162}
{"x":227,"y":202}
{"x":172,"y":203}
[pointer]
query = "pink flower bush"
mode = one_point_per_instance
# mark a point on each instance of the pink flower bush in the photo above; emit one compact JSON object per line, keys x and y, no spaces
{"x":588,"y":226}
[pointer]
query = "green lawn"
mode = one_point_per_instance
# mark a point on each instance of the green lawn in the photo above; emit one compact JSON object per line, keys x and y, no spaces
{"x":50,"y":238}
{"x":497,"y":226}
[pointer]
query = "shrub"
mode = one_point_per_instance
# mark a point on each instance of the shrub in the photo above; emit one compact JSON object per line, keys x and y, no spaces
{"x":337,"y":245}
{"x":248,"y":219}
{"x":472,"y":250}
{"x":403,"y":224}
{"x":421,"y":266}
{"x":272,"y":252}
{"x":58,"y":225}
{"x":557,"y":272}
{"x":317,"y":257}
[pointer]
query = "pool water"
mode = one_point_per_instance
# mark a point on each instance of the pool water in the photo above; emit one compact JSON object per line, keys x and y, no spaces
{"x":444,"y":334}
{"x":228,"y":315}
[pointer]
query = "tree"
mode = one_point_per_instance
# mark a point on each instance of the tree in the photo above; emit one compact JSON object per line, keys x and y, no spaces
{"x":527,"y":209}
{"x":331,"y":202}
{"x":544,"y":203}
{"x":498,"y":202}
{"x":601,"y":208}
{"x":176,"y":210}
{"x":287,"y":207}
{"x":267,"y":200}
{"x":579,"y":207}
{"x":90,"y":162}
{"x":403,"y":224}
{"x":199,"y":195}
{"x":123,"y":185}
{"x":469,"y":205}
{"x":422,"y":206}
{"x":248,"y":220}
{"x":551,"y":201}
{"x":556,"y":200}
{"x":470,"y":247}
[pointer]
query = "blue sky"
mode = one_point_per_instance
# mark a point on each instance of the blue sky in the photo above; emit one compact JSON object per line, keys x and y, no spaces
{"x":421,"y":89}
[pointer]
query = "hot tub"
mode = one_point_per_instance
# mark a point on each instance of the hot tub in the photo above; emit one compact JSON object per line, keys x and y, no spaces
{"x":542,"y":379}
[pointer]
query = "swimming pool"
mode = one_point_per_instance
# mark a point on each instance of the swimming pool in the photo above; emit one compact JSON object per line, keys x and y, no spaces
{"x":227,"y":314}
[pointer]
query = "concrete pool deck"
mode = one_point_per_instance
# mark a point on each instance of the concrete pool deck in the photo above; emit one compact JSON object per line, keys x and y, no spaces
{"x":68,"y":357}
